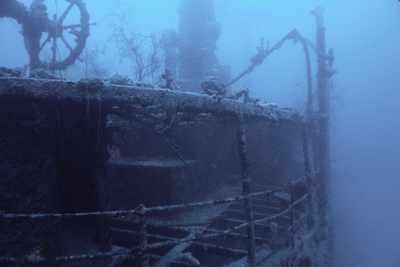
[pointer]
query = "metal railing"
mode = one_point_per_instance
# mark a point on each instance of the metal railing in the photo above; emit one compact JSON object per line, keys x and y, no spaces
{"x":145,"y":248}
{"x":143,"y":251}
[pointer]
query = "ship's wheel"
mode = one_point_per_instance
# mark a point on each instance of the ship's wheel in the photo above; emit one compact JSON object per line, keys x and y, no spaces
{"x":53,"y":43}
{"x":63,"y":38}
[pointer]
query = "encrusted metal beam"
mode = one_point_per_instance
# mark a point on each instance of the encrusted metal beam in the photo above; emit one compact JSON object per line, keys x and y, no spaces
{"x":126,"y":99}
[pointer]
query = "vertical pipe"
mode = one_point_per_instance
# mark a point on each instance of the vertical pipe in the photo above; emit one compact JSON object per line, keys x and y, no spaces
{"x":310,"y":97}
{"x":324,"y":112}
{"x":246,"y":190}
{"x":309,"y":175}
{"x":307,"y":133}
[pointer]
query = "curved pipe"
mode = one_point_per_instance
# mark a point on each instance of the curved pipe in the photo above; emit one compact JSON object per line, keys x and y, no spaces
{"x":305,"y":43}
{"x":310,"y":99}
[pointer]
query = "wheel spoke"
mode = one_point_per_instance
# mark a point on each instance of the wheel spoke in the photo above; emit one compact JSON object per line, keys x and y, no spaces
{"x":45,"y":42}
{"x":54,"y":51}
{"x":73,"y":26}
{"x":65,"y":14}
{"x":66,"y":43}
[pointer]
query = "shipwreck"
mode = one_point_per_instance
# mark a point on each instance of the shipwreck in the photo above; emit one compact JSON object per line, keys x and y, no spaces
{"x":111,"y":173}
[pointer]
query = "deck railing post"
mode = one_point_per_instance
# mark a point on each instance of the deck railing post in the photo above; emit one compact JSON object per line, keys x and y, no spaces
{"x":246,"y":191}
{"x":144,"y":259}
{"x":292,"y":216}
{"x":309,"y":178}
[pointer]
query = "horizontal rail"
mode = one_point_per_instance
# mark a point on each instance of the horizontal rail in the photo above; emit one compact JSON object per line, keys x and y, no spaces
{"x":270,"y":218}
{"x":238,"y":235}
{"x":236,"y":228}
{"x":213,"y":231}
{"x":137,"y":250}
{"x":286,"y":211}
{"x":91,"y":256}
{"x":131,"y":252}
{"x":136,"y":211}
{"x":67,"y":215}
{"x":210,"y":203}
{"x":197,"y":243}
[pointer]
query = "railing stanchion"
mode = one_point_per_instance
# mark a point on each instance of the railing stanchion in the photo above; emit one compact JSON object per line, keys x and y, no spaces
{"x":144,"y":259}
{"x":246,"y":191}
{"x":292,"y":216}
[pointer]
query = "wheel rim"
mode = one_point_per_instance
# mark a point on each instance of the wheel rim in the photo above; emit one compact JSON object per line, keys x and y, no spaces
{"x":56,"y":37}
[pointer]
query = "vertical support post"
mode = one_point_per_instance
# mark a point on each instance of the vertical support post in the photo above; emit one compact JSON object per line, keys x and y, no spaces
{"x":246,"y":191}
{"x":144,"y":259}
{"x":324,"y":74}
{"x":309,"y":176}
{"x":292,"y":216}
